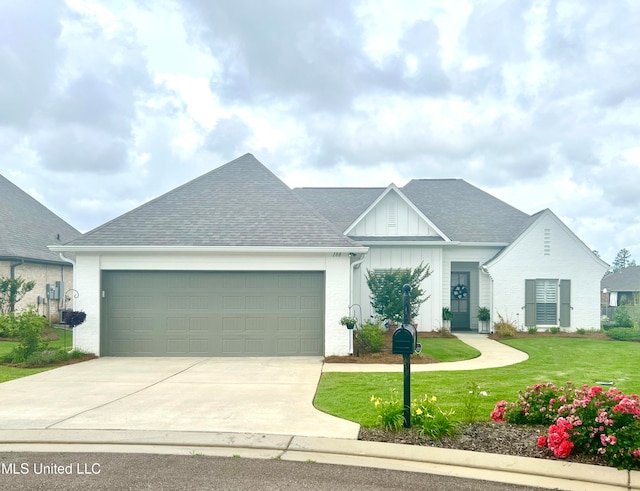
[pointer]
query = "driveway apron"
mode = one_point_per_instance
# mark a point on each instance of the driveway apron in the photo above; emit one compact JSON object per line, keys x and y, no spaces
{"x":247,"y":395}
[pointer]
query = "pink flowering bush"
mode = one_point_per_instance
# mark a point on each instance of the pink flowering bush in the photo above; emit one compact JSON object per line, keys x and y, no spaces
{"x":586,"y":420}
{"x":538,"y":404}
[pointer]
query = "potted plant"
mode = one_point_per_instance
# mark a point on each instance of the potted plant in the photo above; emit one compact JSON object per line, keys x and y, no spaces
{"x":447,"y":317}
{"x":484,"y":316}
{"x":349,"y":322}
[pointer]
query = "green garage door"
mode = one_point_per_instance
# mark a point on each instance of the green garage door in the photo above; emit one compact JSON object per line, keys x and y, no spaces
{"x":187,"y":313}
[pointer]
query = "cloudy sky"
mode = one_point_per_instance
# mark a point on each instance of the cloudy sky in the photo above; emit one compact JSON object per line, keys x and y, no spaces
{"x":105,"y":104}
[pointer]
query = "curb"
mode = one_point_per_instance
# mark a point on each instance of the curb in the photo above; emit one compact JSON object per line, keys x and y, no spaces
{"x":456,"y":463}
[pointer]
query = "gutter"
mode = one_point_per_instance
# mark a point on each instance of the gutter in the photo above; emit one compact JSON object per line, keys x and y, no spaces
{"x":210,"y":249}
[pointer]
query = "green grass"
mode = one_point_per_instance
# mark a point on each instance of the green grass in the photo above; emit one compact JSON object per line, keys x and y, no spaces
{"x":557,"y":360}
{"x":447,"y":349}
{"x":10,"y":373}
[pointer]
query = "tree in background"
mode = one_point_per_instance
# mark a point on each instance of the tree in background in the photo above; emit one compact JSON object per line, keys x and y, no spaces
{"x":12,"y":290}
{"x":623,"y":260}
{"x":387,"y":294}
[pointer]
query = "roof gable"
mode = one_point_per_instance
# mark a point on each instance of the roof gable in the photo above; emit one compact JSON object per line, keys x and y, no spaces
{"x":392,"y":214}
{"x":238,"y":204}
{"x":532,"y":223}
{"x":27,"y":227}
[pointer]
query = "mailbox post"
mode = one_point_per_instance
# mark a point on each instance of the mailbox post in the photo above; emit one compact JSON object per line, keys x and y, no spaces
{"x":404,"y":342}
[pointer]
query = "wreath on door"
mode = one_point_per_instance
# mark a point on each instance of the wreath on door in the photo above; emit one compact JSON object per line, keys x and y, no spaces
{"x":460,"y":291}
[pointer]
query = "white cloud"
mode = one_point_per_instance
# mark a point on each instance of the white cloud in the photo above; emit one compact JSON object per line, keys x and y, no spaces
{"x":537,"y":101}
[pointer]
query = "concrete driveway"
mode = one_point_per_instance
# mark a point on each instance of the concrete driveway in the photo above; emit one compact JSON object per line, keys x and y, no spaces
{"x":246,"y":395}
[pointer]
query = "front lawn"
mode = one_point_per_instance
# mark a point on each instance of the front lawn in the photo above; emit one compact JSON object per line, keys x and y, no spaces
{"x":57,"y":340}
{"x":551,"y":359}
{"x":447,"y":349}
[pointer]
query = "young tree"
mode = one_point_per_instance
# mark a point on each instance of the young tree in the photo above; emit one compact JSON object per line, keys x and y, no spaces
{"x":623,"y":260}
{"x":12,"y":290}
{"x":387,"y":294}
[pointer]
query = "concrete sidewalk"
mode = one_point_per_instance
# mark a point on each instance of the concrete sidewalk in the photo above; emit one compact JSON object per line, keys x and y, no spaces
{"x":492,"y":355}
{"x":440,"y":461}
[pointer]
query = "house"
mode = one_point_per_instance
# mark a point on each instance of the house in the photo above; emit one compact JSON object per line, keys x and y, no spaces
{"x":235,"y":263}
{"x":530,"y":270}
{"x":27,"y":228}
{"x":621,"y":287}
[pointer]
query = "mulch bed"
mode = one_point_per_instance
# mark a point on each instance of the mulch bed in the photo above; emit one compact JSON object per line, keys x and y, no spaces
{"x":489,"y":437}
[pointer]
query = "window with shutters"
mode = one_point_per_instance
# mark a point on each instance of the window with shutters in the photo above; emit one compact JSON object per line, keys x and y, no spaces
{"x":548,"y":302}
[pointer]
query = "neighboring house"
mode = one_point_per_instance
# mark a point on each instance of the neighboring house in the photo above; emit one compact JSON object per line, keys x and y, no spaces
{"x":27,"y":228}
{"x":234,"y":263}
{"x":621,"y":287}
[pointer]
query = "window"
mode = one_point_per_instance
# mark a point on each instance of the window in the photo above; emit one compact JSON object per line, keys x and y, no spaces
{"x":547,"y":302}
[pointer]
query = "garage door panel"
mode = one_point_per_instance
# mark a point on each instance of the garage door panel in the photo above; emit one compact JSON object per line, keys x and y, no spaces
{"x":154,"y":313}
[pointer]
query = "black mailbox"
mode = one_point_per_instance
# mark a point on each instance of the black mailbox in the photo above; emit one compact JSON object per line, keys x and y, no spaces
{"x":404,"y":340}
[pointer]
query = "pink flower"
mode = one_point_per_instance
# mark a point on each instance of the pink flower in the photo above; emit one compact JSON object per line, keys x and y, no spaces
{"x":497,"y":414}
{"x":542,"y":441}
{"x":563,"y":451}
{"x":595,"y":390}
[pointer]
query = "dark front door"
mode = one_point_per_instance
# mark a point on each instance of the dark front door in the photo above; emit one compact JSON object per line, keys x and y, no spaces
{"x":460,"y":300}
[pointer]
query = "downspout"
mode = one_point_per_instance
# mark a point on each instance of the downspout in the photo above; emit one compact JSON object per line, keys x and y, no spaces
{"x":354,"y":265}
{"x":486,"y":271}
{"x":73,"y":265}
{"x":13,"y":268}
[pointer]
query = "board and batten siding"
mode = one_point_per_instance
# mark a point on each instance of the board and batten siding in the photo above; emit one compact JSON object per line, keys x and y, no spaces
{"x":394,"y":257}
{"x":548,"y":250}
{"x":89,"y":267}
{"x":392,"y":216}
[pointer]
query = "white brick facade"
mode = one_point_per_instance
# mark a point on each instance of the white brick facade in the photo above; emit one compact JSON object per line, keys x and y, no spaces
{"x":548,"y":250}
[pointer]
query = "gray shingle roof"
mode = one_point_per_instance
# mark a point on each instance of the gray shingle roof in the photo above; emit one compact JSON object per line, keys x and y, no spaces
{"x":238,"y":204}
{"x":27,"y":227}
{"x":625,"y":280}
{"x":465,"y":213}
{"x":461,"y":211}
{"x":341,"y":206}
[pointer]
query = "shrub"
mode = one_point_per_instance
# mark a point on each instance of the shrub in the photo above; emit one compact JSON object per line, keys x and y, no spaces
{"x":554,"y":330}
{"x":387,"y":296}
{"x":28,"y":329}
{"x":624,"y":334}
{"x":50,"y":357}
{"x":581,"y":331}
{"x":532,"y":330}
{"x":504,"y":328}
{"x":370,"y":338}
{"x":537,"y":404}
{"x":622,"y":317}
{"x":605,"y":423}
{"x":585,"y":420}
